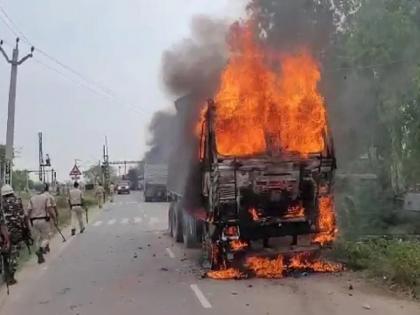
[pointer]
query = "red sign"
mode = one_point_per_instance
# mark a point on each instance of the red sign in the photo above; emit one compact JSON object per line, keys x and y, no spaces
{"x":75,"y":171}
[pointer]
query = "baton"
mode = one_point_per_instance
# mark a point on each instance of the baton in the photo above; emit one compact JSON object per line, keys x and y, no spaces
{"x":87,"y":215}
{"x":59,"y":231}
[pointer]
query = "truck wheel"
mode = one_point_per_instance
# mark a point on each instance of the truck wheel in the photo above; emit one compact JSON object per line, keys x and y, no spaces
{"x":190,"y":231}
{"x":177,"y":223}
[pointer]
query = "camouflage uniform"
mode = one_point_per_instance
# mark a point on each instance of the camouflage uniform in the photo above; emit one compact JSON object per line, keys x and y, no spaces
{"x":14,"y":218}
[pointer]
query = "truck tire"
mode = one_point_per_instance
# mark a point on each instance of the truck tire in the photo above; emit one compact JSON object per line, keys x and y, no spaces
{"x":170,"y":219}
{"x":177,"y":223}
{"x":190,"y":231}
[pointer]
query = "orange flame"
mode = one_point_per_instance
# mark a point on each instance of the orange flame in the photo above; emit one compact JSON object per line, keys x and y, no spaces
{"x":295,"y":212}
{"x":268,"y":103}
{"x":230,"y":273}
{"x":326,"y":223}
{"x":304,"y":261}
{"x":238,"y":245}
{"x":265,"y":267}
{"x":255,"y":215}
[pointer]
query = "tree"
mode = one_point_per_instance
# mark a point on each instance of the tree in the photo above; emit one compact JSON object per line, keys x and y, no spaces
{"x":380,"y":46}
{"x":93,"y":174}
{"x":20,"y":180}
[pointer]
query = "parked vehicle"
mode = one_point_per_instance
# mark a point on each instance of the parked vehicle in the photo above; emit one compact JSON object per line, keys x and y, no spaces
{"x":123,"y":187}
{"x":155,"y":181}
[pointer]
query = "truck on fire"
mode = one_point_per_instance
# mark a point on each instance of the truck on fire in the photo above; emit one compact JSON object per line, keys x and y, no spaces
{"x":240,"y":199}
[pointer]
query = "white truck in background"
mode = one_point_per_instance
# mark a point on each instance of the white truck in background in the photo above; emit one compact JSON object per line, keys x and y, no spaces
{"x":155,"y":182}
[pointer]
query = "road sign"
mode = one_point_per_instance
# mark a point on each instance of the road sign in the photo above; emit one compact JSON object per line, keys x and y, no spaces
{"x":75,"y":171}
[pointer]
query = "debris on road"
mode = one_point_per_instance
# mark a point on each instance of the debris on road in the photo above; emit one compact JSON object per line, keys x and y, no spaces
{"x":366,"y":307}
{"x":135,"y":255}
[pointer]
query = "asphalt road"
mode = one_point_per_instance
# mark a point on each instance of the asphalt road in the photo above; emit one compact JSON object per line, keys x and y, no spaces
{"x":125,"y":263}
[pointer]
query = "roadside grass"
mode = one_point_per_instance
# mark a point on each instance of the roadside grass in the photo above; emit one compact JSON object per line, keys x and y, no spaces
{"x":395,"y":261}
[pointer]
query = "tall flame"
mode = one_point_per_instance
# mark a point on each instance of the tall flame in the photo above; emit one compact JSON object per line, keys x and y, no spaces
{"x":326,"y":222}
{"x":260,"y":109}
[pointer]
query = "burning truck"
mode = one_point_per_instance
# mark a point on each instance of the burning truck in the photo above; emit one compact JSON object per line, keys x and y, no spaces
{"x":262,"y":167}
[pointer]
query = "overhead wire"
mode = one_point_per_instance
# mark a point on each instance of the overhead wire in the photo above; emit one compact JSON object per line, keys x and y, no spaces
{"x":87,"y":83}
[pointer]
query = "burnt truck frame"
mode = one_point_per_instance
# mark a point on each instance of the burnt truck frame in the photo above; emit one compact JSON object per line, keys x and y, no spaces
{"x":231,"y":187}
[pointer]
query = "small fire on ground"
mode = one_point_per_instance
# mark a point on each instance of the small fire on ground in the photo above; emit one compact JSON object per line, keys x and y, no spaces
{"x":277,"y":267}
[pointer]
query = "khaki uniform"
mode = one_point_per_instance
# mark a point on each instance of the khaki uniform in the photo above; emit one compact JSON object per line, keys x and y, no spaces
{"x":51,"y":210}
{"x":111,"y":192}
{"x":100,"y":194}
{"x":76,"y":203}
{"x":39,"y":216}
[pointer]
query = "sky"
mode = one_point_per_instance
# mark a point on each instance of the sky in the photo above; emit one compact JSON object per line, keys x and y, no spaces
{"x":117,"y":47}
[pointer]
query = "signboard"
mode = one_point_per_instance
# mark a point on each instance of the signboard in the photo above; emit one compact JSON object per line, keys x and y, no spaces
{"x":75,"y":172}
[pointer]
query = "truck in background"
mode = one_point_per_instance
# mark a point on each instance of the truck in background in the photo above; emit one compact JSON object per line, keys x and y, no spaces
{"x":155,"y":182}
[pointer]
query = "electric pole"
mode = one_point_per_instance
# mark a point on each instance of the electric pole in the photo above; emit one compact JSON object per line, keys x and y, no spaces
{"x":105,"y":166}
{"x":10,"y":133}
{"x":42,"y":164}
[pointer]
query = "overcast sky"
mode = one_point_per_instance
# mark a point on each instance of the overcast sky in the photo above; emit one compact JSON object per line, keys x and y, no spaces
{"x":118,"y":45}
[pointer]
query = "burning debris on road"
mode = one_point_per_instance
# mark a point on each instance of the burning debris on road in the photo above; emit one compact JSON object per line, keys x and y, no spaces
{"x":277,"y":267}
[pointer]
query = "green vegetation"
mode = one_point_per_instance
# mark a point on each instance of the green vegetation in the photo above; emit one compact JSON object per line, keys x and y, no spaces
{"x":368,"y":50}
{"x":397,"y":261}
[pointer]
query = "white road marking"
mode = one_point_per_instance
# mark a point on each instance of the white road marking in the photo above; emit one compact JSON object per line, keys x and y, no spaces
{"x":111,"y":222}
{"x":200,"y":296}
{"x":170,"y":252}
{"x":124,"y":221}
{"x":97,"y":223}
{"x":137,"y":220}
{"x":130,"y":202}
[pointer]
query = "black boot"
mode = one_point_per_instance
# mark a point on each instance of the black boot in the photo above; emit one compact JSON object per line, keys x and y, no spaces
{"x":82,"y":230}
{"x":73,"y":232}
{"x":46,"y":250}
{"x":11,"y":279}
{"x":39,"y":254}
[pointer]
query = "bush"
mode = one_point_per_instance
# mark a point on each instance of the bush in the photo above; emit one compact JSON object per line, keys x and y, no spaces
{"x":395,"y":260}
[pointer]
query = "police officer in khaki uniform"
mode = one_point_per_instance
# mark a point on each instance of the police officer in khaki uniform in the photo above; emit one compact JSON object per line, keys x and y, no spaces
{"x":53,"y":212}
{"x":76,"y":208}
{"x":100,"y":195}
{"x":39,"y":216}
{"x":111,"y":192}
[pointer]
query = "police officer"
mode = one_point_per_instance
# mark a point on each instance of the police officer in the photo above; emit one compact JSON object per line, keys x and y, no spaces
{"x":76,"y":208}
{"x":53,"y":212}
{"x":39,"y":216}
{"x":18,"y":228}
{"x":100,"y":195}
{"x":111,"y":191}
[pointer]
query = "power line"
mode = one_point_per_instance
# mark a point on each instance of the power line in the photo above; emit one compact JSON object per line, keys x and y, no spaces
{"x":88,"y":83}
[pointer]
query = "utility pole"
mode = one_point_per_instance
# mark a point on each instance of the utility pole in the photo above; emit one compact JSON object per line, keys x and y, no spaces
{"x":105,"y":166}
{"x":10,"y":133}
{"x":42,"y":163}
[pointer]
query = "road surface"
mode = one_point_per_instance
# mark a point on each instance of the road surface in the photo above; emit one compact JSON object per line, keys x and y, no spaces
{"x":125,"y":263}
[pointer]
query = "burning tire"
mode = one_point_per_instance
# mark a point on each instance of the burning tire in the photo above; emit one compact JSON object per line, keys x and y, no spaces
{"x":177,"y":223}
{"x":190,"y":229}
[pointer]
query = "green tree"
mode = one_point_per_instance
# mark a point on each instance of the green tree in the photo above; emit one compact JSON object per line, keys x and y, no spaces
{"x":380,"y":46}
